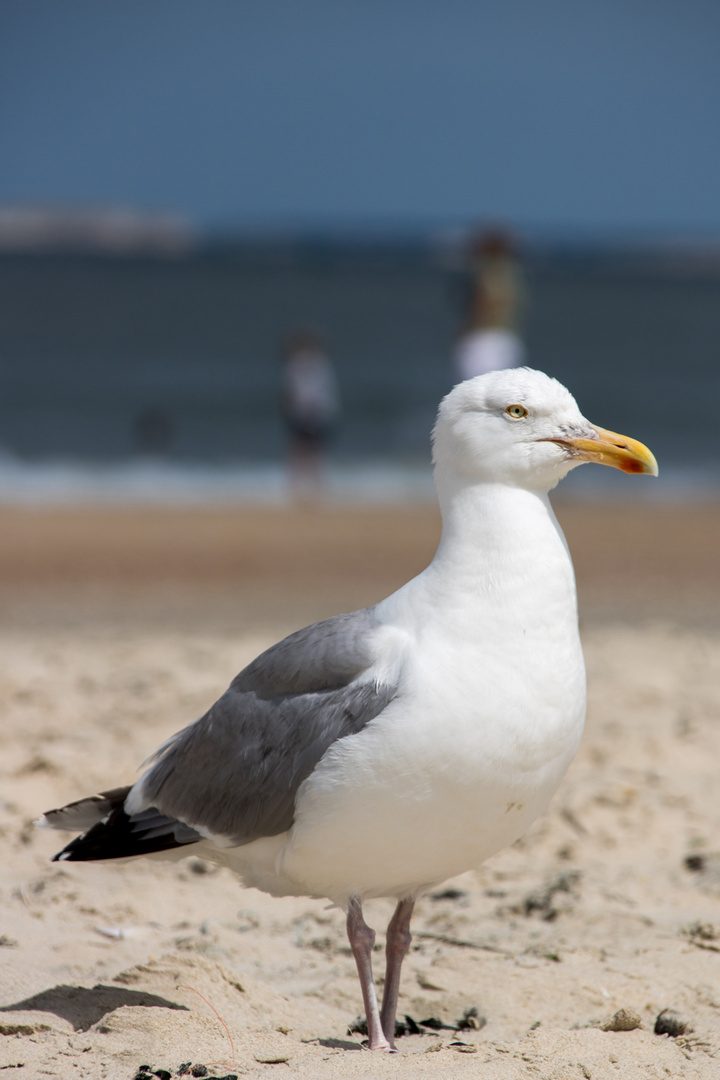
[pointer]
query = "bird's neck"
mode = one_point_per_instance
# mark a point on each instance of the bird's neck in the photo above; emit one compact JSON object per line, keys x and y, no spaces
{"x":502,"y":542}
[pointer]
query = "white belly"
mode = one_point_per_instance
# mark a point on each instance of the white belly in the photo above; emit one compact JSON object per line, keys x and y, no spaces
{"x":431,"y":788}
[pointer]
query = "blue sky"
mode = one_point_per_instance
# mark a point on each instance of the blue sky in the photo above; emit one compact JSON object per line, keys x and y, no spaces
{"x":558,"y":115}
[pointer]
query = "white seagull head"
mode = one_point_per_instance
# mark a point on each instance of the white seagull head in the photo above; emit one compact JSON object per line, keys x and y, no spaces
{"x":521,"y":428}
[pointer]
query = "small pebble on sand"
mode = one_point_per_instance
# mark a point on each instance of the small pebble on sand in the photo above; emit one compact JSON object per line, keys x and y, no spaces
{"x":622,"y":1020}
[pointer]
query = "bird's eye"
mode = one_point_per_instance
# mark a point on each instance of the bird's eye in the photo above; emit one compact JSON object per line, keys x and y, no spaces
{"x":516,"y":411}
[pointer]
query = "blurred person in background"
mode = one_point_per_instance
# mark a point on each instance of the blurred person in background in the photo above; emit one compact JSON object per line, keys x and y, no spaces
{"x":310,"y":406}
{"x":490,"y":337}
{"x":153,"y":432}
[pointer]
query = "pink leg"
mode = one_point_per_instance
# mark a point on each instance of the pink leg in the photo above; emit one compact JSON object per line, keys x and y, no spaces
{"x":362,"y":939}
{"x":396,"y":948}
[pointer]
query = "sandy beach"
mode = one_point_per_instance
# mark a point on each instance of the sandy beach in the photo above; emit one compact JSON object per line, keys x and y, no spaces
{"x":120,"y":625}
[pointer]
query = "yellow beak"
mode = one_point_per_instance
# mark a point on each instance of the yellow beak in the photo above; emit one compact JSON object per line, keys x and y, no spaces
{"x":615,"y":450}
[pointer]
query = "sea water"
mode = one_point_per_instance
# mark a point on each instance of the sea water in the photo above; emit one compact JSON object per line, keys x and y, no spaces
{"x":90,"y":344}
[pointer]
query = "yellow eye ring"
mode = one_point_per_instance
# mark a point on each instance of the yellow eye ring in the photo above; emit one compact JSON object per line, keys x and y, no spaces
{"x":516,"y":411}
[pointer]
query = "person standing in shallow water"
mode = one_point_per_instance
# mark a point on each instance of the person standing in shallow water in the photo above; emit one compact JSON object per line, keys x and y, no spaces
{"x":310,"y":406}
{"x":490,"y":337}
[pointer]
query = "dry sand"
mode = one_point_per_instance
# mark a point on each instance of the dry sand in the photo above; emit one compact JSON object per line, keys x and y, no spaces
{"x":117,"y":627}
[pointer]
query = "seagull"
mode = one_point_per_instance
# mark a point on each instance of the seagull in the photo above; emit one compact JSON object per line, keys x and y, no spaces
{"x":379,"y":753}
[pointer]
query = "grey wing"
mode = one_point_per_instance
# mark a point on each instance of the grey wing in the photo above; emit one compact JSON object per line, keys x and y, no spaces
{"x":324,"y":656}
{"x":235,"y":772}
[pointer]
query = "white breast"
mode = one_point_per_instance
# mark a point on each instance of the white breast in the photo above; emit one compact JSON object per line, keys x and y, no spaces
{"x":488,"y":718}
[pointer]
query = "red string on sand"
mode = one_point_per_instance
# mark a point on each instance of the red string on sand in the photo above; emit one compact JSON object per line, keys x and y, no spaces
{"x":215,"y":1064}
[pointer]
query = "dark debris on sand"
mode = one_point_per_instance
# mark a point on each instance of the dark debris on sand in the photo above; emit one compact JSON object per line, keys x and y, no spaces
{"x":544,"y":901}
{"x":671,"y":1023}
{"x":470,"y":1020}
{"x":187,"y":1069}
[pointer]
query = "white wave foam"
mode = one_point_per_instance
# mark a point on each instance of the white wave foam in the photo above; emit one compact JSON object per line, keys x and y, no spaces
{"x":161,"y":482}
{"x":157,"y":482}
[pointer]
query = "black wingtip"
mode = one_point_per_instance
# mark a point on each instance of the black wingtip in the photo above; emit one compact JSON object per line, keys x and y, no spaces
{"x":123,"y":836}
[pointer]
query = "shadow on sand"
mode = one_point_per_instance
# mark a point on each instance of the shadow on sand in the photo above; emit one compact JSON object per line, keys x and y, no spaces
{"x":83,"y":1007}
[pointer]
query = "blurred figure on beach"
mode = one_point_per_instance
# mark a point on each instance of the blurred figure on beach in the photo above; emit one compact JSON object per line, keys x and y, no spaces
{"x":310,"y":406}
{"x":490,"y":336}
{"x":153,"y":432}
